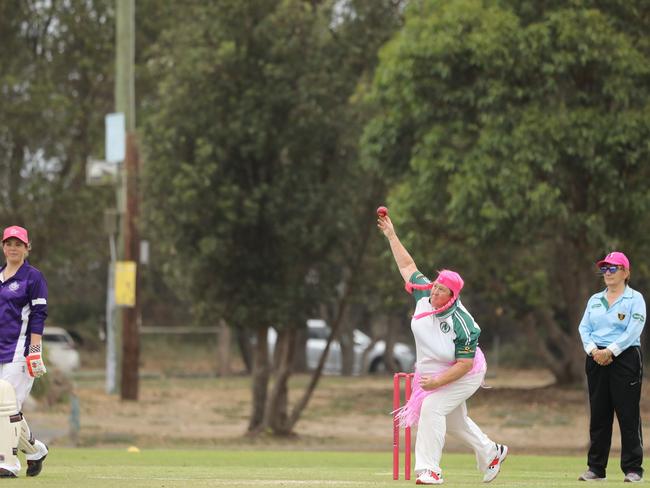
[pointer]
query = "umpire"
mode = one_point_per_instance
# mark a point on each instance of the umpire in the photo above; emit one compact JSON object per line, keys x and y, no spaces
{"x":610,"y":331}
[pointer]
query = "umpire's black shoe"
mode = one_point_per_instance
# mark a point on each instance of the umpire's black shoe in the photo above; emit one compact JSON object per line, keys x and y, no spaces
{"x":34,"y":468}
{"x":5,"y":473}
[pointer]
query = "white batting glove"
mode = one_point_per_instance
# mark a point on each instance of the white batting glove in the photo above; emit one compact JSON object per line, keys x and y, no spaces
{"x":35,"y":364}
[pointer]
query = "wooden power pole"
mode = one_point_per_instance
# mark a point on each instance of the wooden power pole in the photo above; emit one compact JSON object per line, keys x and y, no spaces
{"x":129,"y":242}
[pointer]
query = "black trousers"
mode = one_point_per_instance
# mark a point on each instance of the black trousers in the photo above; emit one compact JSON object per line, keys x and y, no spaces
{"x":616,"y":388}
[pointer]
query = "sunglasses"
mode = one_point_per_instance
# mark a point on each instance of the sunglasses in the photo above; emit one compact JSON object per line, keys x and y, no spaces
{"x":610,"y":269}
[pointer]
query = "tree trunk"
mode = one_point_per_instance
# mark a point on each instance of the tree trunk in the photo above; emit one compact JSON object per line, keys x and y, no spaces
{"x":351,"y":318}
{"x":223,"y":349}
{"x":342,"y":305}
{"x":563,"y":357}
{"x":559,"y":344}
{"x":300,"y":354}
{"x":378,"y":333}
{"x":244,"y":344}
{"x":576,"y":282}
{"x":260,"y":382}
{"x":346,"y":340}
{"x":389,"y":358}
{"x":276,"y":417}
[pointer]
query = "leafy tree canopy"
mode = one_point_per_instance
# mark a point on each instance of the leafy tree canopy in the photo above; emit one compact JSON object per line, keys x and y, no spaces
{"x":250,"y":181}
{"x":520,"y":138}
{"x":55,"y":80}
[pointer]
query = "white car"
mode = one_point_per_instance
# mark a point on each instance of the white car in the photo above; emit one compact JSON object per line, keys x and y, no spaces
{"x":317,"y":333}
{"x":60,"y":350}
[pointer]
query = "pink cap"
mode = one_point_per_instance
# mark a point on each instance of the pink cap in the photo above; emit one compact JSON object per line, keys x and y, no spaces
{"x":17,"y":232}
{"x":451,"y":280}
{"x":617,"y":258}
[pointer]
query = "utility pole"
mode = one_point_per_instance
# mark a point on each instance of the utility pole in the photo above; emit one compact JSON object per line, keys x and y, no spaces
{"x":128,"y":247}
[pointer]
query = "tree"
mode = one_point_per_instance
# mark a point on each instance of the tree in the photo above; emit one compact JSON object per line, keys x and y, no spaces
{"x":55,"y":69}
{"x":519,"y":134}
{"x":251,"y":139}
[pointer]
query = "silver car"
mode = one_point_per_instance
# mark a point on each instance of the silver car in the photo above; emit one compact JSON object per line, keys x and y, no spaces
{"x":317,"y":333}
{"x":60,"y":350}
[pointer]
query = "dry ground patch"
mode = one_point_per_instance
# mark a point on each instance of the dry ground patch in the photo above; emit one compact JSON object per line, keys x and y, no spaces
{"x":522,"y":408}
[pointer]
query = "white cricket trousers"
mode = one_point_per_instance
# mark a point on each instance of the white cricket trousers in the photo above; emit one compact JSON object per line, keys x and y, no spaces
{"x":445,"y":411}
{"x":16,"y":374}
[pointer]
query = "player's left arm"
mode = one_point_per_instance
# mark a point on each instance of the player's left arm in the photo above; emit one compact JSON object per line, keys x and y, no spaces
{"x":465,"y":343}
{"x":459,"y":369}
{"x":38,"y":312}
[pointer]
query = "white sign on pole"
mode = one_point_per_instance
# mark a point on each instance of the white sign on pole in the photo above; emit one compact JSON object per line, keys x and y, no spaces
{"x":144,"y":252}
{"x":115,"y":138}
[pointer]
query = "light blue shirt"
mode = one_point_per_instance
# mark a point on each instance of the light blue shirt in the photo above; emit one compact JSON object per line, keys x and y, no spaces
{"x":617,"y":327}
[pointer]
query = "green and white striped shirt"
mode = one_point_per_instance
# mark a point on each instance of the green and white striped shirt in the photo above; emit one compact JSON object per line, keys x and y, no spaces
{"x":443,"y":338}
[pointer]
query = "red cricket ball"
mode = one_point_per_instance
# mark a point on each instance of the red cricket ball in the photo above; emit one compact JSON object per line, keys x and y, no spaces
{"x":382,"y":211}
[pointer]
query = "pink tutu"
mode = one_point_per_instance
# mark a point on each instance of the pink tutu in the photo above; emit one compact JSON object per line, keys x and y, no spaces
{"x":409,"y":414}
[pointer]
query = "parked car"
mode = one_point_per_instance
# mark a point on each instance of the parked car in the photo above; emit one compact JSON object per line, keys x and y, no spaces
{"x":60,"y":350}
{"x":317,"y":333}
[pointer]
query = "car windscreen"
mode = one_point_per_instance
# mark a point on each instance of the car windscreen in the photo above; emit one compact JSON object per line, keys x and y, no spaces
{"x":318,"y":332}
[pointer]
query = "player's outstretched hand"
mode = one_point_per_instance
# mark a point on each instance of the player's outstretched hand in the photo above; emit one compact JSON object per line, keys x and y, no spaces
{"x":385,"y":225}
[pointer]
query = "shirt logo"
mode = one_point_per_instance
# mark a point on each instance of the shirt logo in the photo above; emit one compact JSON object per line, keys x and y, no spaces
{"x":444,"y":327}
{"x":14,"y":286}
{"x":621,"y":316}
{"x":638,"y":316}
{"x":596,"y":305}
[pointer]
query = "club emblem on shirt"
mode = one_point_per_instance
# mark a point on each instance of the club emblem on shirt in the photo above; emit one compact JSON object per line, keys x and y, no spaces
{"x":14,"y":286}
{"x":444,"y":327}
{"x":621,"y":316}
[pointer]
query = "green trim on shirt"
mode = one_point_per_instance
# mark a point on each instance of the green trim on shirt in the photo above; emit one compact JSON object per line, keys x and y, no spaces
{"x":467,"y":333}
{"x":446,"y":313}
{"x":419,"y":279}
{"x":604,"y":301}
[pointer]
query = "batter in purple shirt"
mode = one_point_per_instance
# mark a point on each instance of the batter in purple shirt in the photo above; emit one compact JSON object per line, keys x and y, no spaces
{"x":23,"y":309}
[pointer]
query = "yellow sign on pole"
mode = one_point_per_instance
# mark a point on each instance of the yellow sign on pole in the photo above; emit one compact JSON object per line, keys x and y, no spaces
{"x":125,"y":283}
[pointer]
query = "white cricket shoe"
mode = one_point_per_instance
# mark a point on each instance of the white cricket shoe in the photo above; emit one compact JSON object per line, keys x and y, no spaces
{"x":633,"y":478}
{"x":428,"y":477}
{"x":495,"y":466}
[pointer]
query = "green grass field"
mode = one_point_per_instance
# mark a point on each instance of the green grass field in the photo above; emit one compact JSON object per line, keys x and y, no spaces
{"x":98,"y":468}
